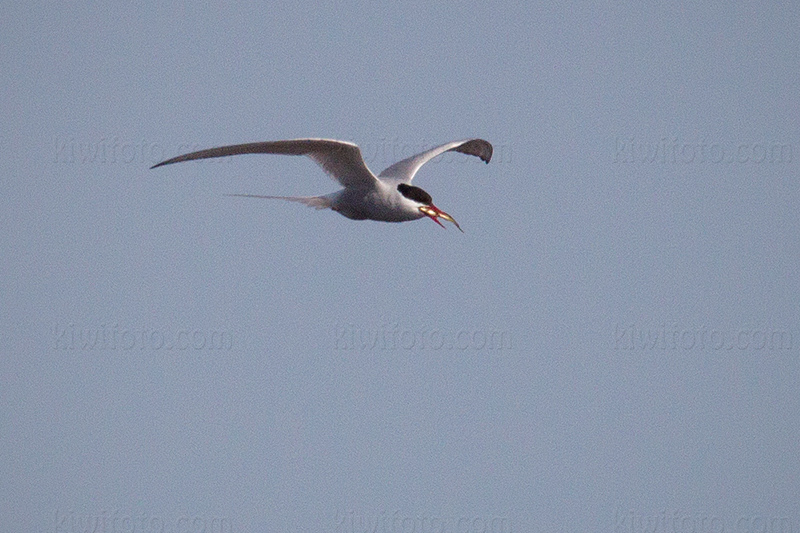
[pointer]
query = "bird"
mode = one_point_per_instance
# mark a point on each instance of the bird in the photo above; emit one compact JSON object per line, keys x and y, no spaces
{"x":387,"y":197}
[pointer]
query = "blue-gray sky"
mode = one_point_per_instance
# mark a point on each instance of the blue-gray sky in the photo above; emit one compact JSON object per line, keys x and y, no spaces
{"x":612,"y":345}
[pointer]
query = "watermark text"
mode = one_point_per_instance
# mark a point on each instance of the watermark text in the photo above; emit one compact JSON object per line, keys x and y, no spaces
{"x":674,"y":337}
{"x":391,"y":337}
{"x":111,"y":337}
{"x":687,"y":522}
{"x":122,"y":522}
{"x":673,"y":151}
{"x":387,"y":522}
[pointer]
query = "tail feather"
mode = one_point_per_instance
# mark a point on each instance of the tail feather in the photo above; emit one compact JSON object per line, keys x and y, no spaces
{"x":318,"y":202}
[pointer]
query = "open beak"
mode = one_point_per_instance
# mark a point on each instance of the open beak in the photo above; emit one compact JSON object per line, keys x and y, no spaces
{"x":435,"y":213}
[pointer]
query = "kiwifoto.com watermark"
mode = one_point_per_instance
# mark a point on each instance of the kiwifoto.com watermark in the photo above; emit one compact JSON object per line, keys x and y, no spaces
{"x":685,"y":522}
{"x":113,"y":337}
{"x":675,"y":151}
{"x":126,"y":522}
{"x":115,"y":150}
{"x":392,"y":337}
{"x":675,"y":337}
{"x":351,"y":521}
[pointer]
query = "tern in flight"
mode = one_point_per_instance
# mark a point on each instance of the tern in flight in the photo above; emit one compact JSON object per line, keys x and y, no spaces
{"x":388,"y":197}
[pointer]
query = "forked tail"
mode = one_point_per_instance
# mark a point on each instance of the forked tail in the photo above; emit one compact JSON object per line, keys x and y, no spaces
{"x":318,"y":202}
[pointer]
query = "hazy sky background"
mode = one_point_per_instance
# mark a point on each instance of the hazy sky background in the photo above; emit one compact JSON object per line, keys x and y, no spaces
{"x":611,"y":346}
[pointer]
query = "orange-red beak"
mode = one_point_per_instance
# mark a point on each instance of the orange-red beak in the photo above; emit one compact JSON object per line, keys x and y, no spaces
{"x":434,"y":213}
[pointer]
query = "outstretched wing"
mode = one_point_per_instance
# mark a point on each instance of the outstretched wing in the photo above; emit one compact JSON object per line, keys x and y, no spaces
{"x":404,"y":170}
{"x":339,"y":159}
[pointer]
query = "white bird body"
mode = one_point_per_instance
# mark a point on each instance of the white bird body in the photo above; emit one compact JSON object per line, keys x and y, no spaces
{"x":388,"y":197}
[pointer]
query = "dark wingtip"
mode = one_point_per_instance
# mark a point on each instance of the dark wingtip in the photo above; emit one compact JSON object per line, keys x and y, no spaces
{"x":487,"y":154}
{"x":477,"y":147}
{"x":161,"y":164}
{"x":170,"y":161}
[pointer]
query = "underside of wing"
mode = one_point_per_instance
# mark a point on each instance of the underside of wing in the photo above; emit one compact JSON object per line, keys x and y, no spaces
{"x":339,"y":159}
{"x":406,"y":169}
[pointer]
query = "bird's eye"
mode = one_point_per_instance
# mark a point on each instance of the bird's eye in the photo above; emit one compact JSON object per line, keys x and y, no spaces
{"x":415,"y":193}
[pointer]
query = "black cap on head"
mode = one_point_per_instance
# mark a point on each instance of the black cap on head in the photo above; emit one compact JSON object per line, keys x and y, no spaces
{"x":415,"y":193}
